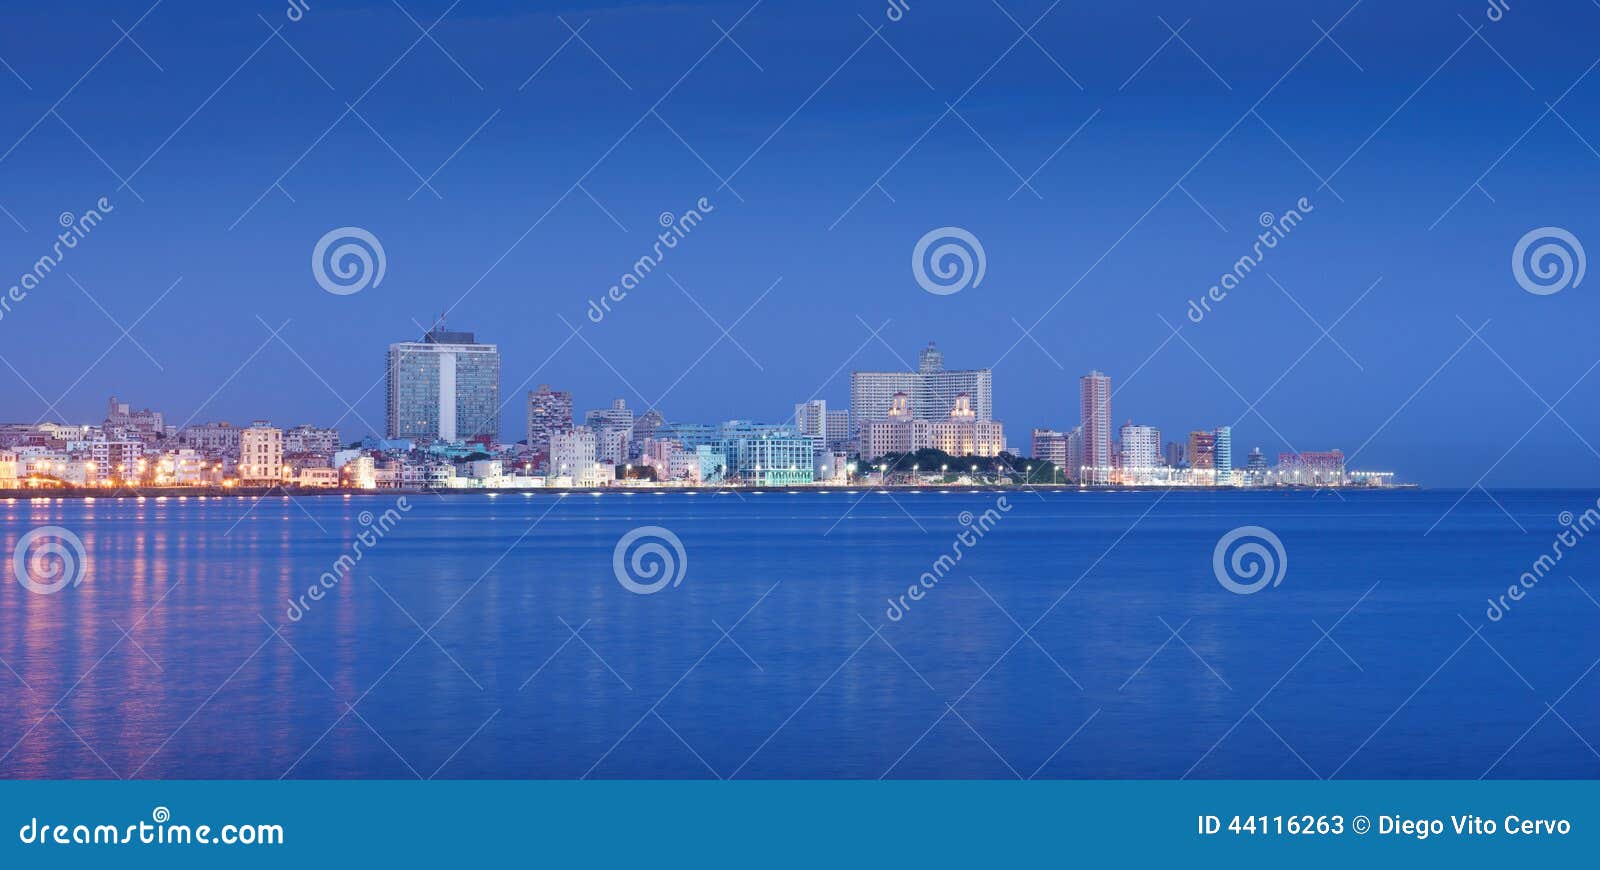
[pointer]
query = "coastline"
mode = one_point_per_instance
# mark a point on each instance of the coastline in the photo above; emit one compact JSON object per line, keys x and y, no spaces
{"x":173,"y":492}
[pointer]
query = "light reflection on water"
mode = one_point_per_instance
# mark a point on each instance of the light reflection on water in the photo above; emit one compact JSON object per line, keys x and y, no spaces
{"x":489,"y":638}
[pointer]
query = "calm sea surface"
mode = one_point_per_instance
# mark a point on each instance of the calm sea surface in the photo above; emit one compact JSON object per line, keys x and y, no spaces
{"x":1083,"y":635}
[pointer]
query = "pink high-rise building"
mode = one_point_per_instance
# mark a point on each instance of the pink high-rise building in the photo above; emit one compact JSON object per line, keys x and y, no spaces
{"x":1094,"y":394}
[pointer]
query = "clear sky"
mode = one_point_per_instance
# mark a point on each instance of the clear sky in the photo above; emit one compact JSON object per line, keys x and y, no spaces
{"x":552,"y":156}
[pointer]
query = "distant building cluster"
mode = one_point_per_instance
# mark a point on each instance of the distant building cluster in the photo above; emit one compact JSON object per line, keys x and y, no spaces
{"x":443,"y":432}
{"x":1133,"y":455}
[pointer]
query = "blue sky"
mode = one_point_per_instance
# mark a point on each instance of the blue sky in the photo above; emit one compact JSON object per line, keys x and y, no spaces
{"x":1438,"y":146}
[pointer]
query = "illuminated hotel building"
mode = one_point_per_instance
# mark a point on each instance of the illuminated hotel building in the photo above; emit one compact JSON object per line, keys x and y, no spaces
{"x":1094,"y":395}
{"x":932,"y":390}
{"x":445,"y":387}
{"x":960,"y":433}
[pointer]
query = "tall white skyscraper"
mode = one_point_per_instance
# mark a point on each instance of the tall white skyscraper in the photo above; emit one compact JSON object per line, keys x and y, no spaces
{"x":1094,"y":402}
{"x":445,"y":387}
{"x":811,"y":418}
{"x":1141,"y":452}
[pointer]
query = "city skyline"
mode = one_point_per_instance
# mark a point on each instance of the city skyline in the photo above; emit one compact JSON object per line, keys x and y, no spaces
{"x":542,"y":403}
{"x":1102,"y":212}
{"x":442,"y":432}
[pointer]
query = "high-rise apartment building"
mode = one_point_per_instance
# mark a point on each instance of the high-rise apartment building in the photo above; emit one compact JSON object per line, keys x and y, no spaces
{"x":811,"y":421}
{"x":1094,"y":401}
{"x":1050,"y":446}
{"x":613,"y":430}
{"x":836,"y":429}
{"x":618,"y":416}
{"x":1141,"y":452}
{"x":811,"y":418}
{"x":932,"y":390}
{"x":445,"y":387}
{"x":612,"y":445}
{"x":1202,"y":450}
{"x":1222,"y":454}
{"x":549,"y":413}
{"x":644,"y":429}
